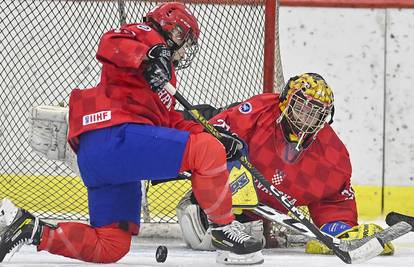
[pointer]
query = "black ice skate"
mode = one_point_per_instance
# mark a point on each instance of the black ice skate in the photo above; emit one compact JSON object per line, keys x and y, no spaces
{"x":17,"y":228}
{"x":235,"y":246}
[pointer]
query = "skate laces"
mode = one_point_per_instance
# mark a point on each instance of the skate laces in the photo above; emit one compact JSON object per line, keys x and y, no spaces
{"x":235,"y":232}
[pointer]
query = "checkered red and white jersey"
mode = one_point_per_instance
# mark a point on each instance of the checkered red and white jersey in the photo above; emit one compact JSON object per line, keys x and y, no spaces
{"x":319,"y":179}
{"x":123,"y":95}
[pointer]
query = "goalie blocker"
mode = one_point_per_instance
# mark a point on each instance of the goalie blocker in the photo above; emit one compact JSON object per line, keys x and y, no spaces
{"x":48,"y":135}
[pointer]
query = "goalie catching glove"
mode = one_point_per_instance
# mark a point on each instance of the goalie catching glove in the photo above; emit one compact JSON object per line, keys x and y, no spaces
{"x":343,"y":231}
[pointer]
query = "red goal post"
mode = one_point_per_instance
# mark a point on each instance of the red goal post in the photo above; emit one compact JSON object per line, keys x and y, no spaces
{"x":48,"y":48}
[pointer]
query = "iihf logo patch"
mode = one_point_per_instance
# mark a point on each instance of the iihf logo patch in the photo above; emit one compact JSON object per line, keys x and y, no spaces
{"x":278,"y":177}
{"x":245,"y":108}
{"x":96,"y":117}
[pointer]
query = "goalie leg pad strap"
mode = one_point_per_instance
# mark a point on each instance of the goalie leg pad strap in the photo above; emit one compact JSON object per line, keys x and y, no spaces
{"x":256,"y":230}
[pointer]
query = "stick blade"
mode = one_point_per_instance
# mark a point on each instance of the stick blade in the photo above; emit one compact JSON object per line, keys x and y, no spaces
{"x":375,"y":245}
{"x":393,"y":218}
{"x":369,"y":250}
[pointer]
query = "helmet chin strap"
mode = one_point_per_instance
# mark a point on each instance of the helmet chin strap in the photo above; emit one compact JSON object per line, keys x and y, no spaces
{"x":299,"y":142}
{"x":290,"y":134}
{"x":289,"y":150}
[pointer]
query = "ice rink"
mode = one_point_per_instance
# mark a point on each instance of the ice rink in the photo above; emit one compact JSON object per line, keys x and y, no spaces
{"x":143,"y":254}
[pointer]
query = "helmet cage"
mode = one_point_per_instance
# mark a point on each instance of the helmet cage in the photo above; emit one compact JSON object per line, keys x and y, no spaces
{"x":190,"y":53}
{"x":306,"y":115}
{"x":186,"y":50}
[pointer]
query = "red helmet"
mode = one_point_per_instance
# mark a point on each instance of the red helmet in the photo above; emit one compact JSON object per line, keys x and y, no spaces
{"x":173,"y":18}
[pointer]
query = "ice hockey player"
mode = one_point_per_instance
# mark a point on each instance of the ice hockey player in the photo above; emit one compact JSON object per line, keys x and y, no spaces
{"x":290,"y":141}
{"x":126,"y":129}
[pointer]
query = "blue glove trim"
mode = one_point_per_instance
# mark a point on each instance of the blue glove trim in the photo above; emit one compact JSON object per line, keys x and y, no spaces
{"x":335,"y":228}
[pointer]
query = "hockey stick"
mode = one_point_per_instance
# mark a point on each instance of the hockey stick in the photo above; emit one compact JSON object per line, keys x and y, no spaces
{"x":273,"y":215}
{"x":364,"y":249}
{"x":384,"y":236}
{"x":394,"y":217}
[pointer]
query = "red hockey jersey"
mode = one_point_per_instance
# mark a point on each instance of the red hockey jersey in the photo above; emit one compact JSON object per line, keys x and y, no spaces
{"x":319,"y":179}
{"x":123,"y":95}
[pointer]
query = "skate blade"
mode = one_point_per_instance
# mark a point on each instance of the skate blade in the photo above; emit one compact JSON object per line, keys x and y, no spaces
{"x":228,"y":258}
{"x":14,"y":250}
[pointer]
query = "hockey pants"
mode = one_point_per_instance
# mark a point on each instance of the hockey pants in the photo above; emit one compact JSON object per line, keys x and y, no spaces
{"x":203,"y":155}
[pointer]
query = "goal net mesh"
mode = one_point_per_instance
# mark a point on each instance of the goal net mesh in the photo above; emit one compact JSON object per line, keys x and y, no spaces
{"x":48,"y":48}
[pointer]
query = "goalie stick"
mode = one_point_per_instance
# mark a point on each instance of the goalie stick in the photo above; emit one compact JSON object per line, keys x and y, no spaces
{"x":389,"y":234}
{"x":394,"y":217}
{"x":273,"y":215}
{"x":365,"y":249}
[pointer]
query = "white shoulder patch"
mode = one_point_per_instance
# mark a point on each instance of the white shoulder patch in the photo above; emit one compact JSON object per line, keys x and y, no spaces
{"x":144,"y":27}
{"x":245,"y":108}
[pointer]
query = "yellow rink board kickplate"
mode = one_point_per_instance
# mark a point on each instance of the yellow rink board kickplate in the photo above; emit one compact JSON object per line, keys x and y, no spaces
{"x":60,"y":195}
{"x":46,"y":194}
{"x":396,"y":198}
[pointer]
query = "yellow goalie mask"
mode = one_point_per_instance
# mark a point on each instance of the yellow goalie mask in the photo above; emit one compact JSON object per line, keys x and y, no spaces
{"x":306,"y":103}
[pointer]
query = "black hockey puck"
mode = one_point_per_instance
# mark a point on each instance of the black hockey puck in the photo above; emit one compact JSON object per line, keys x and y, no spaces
{"x":161,"y":253}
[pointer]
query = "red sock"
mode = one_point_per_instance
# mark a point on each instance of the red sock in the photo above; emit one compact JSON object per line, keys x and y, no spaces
{"x":80,"y":241}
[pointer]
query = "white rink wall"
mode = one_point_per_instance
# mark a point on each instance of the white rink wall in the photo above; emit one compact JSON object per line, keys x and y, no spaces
{"x":366,"y":55}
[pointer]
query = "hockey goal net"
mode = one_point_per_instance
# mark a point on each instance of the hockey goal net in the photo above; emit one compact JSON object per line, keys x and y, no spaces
{"x":48,"y":48}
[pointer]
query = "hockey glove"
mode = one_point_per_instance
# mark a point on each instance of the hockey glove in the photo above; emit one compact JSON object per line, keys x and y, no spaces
{"x":231,"y":143}
{"x":158,"y":74}
{"x":314,"y":246}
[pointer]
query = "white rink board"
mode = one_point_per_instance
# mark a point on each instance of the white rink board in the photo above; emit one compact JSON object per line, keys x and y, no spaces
{"x":353,"y":50}
{"x":399,"y":149}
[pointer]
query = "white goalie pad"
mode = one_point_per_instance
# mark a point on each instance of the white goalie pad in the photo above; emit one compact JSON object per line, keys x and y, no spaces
{"x":48,"y":135}
{"x":194,"y":233}
{"x":196,"y":236}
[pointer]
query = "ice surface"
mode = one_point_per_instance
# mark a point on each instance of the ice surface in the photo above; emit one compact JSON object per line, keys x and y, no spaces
{"x":143,"y":254}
